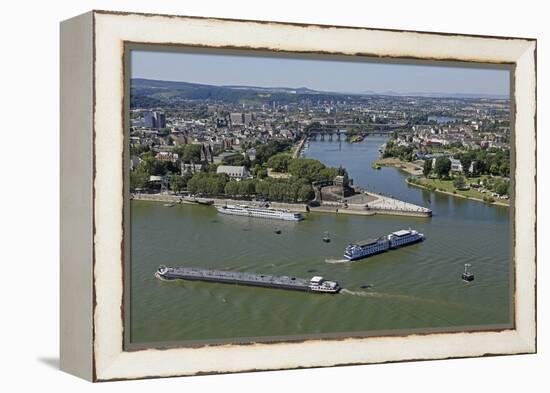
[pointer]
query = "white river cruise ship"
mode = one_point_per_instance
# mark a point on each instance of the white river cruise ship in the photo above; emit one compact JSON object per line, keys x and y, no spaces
{"x":366,"y":248}
{"x":370,"y":247}
{"x":404,"y":237}
{"x":260,"y":212}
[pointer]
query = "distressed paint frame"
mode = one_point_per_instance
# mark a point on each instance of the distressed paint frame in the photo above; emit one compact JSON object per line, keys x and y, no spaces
{"x":110,"y":32}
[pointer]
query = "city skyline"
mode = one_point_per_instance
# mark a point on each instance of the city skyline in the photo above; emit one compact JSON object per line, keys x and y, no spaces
{"x":351,"y":77}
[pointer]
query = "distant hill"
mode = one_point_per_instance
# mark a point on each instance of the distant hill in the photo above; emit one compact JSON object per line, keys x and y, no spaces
{"x":153,"y":83}
{"x":290,"y":90}
{"x":159,"y":84}
{"x":154,"y":93}
{"x":437,"y":95}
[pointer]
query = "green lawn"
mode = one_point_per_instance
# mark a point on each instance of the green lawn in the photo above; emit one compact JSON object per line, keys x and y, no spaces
{"x":447,"y":186}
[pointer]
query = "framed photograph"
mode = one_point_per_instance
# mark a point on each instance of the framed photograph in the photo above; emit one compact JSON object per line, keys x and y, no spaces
{"x":250,"y":195}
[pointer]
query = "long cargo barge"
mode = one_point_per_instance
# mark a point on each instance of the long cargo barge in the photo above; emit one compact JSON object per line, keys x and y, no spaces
{"x":316,"y":284}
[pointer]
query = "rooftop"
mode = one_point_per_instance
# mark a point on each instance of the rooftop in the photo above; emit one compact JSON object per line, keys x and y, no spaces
{"x":232,"y":169}
{"x":366,"y":242}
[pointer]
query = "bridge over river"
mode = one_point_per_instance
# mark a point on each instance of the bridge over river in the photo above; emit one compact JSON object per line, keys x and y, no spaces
{"x":336,"y":131}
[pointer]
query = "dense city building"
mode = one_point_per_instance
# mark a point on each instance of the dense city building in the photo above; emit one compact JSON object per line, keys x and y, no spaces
{"x":153,"y":119}
{"x":231,"y":128}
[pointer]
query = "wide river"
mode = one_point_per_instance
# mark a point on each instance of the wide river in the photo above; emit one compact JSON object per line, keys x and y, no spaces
{"x":414,"y":288}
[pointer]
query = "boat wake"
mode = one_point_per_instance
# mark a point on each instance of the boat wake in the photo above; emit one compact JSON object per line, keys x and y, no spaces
{"x":360,"y":293}
{"x":398,"y":297}
{"x":331,"y":260}
{"x":389,"y":296}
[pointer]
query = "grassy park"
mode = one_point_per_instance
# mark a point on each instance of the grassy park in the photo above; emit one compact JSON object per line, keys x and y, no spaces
{"x":447,"y":186}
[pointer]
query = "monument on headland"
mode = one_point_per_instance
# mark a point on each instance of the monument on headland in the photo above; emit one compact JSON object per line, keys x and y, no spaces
{"x":336,"y":190}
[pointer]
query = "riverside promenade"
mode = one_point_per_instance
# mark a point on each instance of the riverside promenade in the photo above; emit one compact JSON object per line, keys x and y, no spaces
{"x":299,"y":148}
{"x":175,"y":199}
{"x":382,"y":204}
{"x":368,"y":203}
{"x":363,"y":204}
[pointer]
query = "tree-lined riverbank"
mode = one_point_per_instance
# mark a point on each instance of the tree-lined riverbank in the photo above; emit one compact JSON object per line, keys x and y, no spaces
{"x":446,"y":187}
{"x":443,"y":186}
{"x":413,"y":168}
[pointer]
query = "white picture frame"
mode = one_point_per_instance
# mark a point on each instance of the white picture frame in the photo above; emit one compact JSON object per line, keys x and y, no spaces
{"x":92,"y":194}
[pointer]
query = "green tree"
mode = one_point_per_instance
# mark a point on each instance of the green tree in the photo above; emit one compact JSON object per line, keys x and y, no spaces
{"x":138,"y":149}
{"x":259,"y":171}
{"x":481,"y":166}
{"x":262,"y":188}
{"x":279,"y":162}
{"x":266,"y":150}
{"x":466,"y":162}
{"x":247,"y":187}
{"x":504,"y":168}
{"x":404,"y":153}
{"x":502,"y":187}
{"x":237,"y":160}
{"x":328,"y":174}
{"x":232,"y":188}
{"x":207,"y":183}
{"x":305,"y":193}
{"x":306,"y":168}
{"x":147,"y":163}
{"x":150,"y":165}
{"x":442,"y":166}
{"x":212,"y":168}
{"x":138,"y":179}
{"x":459,"y":182}
{"x":177,"y":183}
{"x":427,"y":167}
{"x":217,"y":183}
{"x":262,"y":173}
{"x":192,"y":153}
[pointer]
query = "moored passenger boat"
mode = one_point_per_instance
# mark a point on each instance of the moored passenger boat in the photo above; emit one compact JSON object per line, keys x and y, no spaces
{"x":260,"y":212}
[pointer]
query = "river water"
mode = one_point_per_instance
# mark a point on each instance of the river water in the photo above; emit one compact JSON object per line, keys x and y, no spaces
{"x":416,"y":287}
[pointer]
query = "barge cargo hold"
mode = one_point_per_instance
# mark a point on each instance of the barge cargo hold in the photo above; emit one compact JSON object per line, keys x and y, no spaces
{"x":316,"y":284}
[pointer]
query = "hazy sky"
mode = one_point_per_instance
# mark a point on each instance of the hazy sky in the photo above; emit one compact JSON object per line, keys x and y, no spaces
{"x":336,"y":76}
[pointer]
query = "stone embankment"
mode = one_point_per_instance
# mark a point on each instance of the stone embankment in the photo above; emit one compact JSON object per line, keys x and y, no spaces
{"x":171,"y":198}
{"x":388,"y":205}
{"x":363,"y":203}
{"x":299,"y":148}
